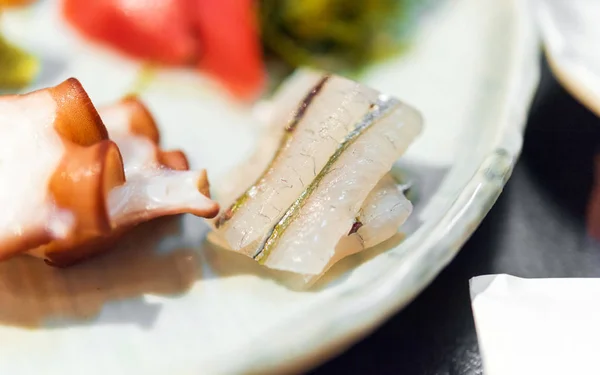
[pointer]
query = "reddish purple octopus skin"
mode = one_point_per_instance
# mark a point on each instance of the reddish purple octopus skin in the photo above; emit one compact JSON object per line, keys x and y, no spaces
{"x":88,"y":148}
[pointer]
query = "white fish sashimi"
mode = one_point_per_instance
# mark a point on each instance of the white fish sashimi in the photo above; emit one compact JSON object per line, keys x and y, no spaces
{"x":304,"y":240}
{"x":384,"y":211}
{"x":325,"y":191}
{"x":274,"y":114}
{"x":313,"y":132}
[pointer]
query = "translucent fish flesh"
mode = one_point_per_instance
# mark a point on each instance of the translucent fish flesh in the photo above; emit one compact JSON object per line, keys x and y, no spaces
{"x":383,"y":212}
{"x":312,"y":133}
{"x":326,"y":174}
{"x":273,"y":114}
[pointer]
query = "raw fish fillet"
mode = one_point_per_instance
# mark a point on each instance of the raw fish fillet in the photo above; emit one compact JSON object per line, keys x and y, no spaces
{"x":313,"y":131}
{"x":274,"y":113}
{"x":304,"y":240}
{"x":328,"y":172}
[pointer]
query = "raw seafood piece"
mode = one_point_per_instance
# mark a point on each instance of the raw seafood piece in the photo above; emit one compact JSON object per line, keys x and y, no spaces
{"x":273,"y":113}
{"x":70,"y":192}
{"x":349,"y":196}
{"x":153,"y":30}
{"x":156,"y":179}
{"x":230,"y":45}
{"x":382,"y":213}
{"x":47,"y":135}
{"x":386,"y":206}
{"x":304,"y":240}
{"x":313,"y":131}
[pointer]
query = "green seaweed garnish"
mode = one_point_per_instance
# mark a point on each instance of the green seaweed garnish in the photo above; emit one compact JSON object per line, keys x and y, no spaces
{"x":340,"y":36}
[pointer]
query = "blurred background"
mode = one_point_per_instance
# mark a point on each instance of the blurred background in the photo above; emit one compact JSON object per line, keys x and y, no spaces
{"x":246,"y":46}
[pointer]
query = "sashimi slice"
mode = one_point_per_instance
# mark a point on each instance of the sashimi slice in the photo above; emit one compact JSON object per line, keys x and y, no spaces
{"x":274,"y":114}
{"x":321,"y":119}
{"x":384,"y":211}
{"x":304,"y":239}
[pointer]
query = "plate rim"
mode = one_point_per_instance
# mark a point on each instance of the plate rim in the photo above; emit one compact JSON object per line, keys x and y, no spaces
{"x":493,"y":172}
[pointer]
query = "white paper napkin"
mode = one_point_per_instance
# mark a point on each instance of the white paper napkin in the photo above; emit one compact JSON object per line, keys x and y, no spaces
{"x":537,"y":326}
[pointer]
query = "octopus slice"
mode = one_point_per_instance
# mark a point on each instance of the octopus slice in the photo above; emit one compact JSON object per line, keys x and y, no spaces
{"x":69,"y":190}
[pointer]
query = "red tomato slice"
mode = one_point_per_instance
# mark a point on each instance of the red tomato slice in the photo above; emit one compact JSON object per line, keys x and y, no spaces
{"x":155,"y":30}
{"x":230,"y":45}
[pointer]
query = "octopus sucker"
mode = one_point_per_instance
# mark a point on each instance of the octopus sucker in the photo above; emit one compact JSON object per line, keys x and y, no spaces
{"x":82,"y":176}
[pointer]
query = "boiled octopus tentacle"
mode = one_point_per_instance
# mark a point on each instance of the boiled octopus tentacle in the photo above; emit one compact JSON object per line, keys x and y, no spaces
{"x":74,"y":191}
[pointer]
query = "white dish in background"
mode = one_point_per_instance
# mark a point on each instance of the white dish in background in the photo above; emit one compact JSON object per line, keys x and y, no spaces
{"x":571,"y":34}
{"x":174,"y":305}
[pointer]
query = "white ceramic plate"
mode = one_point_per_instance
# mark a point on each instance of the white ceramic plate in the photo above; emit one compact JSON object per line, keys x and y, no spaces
{"x":167,"y":303}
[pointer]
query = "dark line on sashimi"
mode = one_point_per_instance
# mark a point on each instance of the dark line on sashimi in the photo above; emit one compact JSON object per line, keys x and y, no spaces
{"x":306,"y":102}
{"x":289,"y":129}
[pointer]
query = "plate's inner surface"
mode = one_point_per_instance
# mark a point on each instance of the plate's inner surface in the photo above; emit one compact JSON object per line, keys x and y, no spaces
{"x":167,"y":302}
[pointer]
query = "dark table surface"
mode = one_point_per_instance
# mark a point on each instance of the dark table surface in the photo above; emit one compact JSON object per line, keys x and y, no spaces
{"x":536,"y":229}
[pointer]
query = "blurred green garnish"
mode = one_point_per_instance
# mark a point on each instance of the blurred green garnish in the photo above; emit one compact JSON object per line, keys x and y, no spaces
{"x":341,"y":36}
{"x":17,"y":67}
